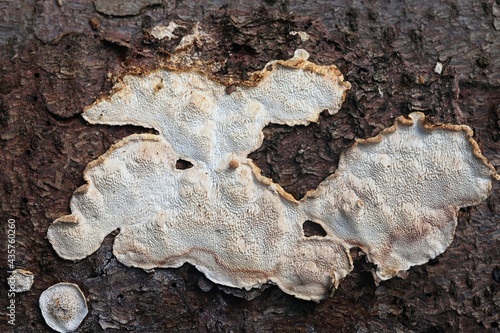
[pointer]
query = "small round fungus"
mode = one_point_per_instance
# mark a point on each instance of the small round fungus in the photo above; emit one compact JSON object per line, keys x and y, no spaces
{"x":63,"y":306}
{"x":20,"y":280}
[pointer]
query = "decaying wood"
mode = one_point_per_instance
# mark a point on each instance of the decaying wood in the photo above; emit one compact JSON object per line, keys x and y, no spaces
{"x":58,"y":56}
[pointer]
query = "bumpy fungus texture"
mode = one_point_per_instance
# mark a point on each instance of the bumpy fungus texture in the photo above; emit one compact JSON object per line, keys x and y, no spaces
{"x":63,"y":307}
{"x":20,"y":280}
{"x":395,"y":196}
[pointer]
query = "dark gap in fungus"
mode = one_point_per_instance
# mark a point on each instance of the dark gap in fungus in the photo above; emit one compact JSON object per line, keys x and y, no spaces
{"x":242,"y":49}
{"x":433,"y":262}
{"x":313,"y":229}
{"x":299,"y":158}
{"x":183,"y":164}
{"x":494,"y":324}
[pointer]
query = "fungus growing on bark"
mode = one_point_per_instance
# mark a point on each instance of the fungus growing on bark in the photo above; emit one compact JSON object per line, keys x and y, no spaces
{"x":395,"y":196}
{"x":63,"y":307}
{"x":20,"y":280}
{"x":164,"y":31}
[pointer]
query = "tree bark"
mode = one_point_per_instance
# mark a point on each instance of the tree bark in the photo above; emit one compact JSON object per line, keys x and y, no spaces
{"x":57,"y":57}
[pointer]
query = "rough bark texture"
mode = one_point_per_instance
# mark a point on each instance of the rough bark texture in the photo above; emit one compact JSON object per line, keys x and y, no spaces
{"x":58,"y":56}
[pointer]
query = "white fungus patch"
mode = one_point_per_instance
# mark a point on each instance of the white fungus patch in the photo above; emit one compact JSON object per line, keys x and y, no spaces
{"x":164,"y":31}
{"x":438,"y":69}
{"x":20,"y":280}
{"x":395,"y":196}
{"x":63,"y":307}
{"x":304,"y":36}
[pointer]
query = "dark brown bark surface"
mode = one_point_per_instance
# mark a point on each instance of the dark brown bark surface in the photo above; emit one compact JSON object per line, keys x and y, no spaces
{"x":57,"y":57}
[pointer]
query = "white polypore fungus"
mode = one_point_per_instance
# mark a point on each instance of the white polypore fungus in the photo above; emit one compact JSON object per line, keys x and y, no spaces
{"x":164,"y":31}
{"x":395,"y":196}
{"x":20,"y":280}
{"x":63,"y":307}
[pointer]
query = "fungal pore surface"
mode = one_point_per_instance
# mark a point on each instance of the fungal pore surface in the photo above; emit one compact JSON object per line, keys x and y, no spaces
{"x":395,"y":196}
{"x":63,"y":307}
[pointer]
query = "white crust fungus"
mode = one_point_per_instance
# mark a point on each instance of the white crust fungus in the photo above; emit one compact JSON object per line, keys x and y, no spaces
{"x":438,"y":69}
{"x":20,"y":280}
{"x":395,"y":196}
{"x":304,"y":36}
{"x":63,"y":307}
{"x":164,"y":31}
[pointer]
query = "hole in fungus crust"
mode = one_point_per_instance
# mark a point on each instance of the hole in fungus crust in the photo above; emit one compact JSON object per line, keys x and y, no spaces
{"x":313,"y":229}
{"x":299,"y":158}
{"x":181,"y":164}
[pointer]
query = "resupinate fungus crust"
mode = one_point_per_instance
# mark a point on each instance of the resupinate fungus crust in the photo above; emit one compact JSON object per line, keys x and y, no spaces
{"x":395,"y":196}
{"x":20,"y":280}
{"x":63,"y":307}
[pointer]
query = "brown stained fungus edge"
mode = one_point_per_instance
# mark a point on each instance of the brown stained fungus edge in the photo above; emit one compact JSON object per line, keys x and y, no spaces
{"x":299,"y":61}
{"x":428,"y":125}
